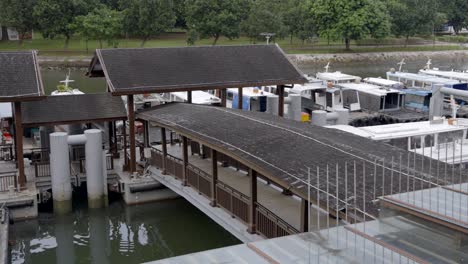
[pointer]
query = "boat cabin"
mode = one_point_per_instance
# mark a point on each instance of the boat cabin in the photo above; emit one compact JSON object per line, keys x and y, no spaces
{"x":318,"y":96}
{"x":418,"y":100}
{"x":376,"y":98}
{"x":253,"y":99}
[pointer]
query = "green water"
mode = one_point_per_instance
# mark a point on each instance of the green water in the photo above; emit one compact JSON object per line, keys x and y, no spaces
{"x":117,"y":234}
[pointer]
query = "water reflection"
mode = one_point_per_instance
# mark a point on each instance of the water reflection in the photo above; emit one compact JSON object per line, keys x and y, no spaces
{"x":118,"y":234}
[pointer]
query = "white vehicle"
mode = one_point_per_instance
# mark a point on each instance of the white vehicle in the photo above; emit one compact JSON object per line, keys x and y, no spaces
{"x":253,"y":98}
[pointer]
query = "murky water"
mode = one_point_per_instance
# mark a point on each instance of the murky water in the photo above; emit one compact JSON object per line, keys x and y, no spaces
{"x":134,"y":234}
{"x":117,"y":234}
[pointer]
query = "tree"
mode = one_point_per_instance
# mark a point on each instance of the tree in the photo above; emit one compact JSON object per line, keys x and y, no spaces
{"x":456,"y":12}
{"x":17,"y":14}
{"x":263,"y":17}
{"x":216,"y":18}
{"x":411,"y":17}
{"x":351,"y":19}
{"x":148,"y":18}
{"x":56,"y":18}
{"x":298,"y":20}
{"x":179,"y":10}
{"x":101,"y":24}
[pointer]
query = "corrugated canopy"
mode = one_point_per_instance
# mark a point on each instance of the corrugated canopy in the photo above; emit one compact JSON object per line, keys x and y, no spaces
{"x":134,"y":71}
{"x":20,"y":78}
{"x":68,"y":109}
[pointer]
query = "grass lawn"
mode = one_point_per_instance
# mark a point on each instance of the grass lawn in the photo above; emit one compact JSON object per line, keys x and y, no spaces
{"x":79,"y":47}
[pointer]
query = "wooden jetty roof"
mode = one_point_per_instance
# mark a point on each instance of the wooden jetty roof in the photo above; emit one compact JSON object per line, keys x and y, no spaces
{"x":55,"y":110}
{"x":283,"y":150}
{"x":20,"y":78}
{"x":151,"y":70}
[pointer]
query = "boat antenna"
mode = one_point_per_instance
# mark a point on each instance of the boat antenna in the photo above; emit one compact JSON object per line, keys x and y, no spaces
{"x":327,"y":67}
{"x":428,"y":64}
{"x":401,"y":63}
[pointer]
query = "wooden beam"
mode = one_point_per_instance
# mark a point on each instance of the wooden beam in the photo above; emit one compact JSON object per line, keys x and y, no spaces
{"x":164,"y":150}
{"x":189,"y":97}
{"x":184,"y":160}
{"x":223,"y":97}
{"x":111,"y":134}
{"x":304,"y":216}
{"x":19,"y":146}
{"x":252,"y":225}
{"x":214,"y":176}
{"x":131,"y":121}
{"x":240,"y":98}
{"x":280,"y":91}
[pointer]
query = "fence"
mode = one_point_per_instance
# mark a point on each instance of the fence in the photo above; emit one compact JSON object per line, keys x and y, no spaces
{"x":7,"y":179}
{"x":109,"y":163}
{"x":227,"y":198}
{"x":42,"y":169}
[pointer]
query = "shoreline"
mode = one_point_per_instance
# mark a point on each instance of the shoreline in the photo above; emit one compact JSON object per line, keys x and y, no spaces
{"x":57,"y":62}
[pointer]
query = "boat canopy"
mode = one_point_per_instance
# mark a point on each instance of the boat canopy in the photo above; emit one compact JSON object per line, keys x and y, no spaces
{"x":461,"y":76}
{"x":337,"y":77}
{"x":422,"y":78}
{"x":384,"y":82}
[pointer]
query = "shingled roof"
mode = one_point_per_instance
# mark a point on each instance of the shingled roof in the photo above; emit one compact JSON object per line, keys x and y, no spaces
{"x":151,"y":70}
{"x":68,"y":109}
{"x":20,"y":78}
{"x":283,"y":150}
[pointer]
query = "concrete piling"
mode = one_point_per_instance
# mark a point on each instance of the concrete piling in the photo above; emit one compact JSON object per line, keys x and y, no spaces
{"x":60,"y":173}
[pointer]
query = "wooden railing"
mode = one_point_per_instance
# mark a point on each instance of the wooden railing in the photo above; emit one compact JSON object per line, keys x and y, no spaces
{"x":6,"y":152}
{"x":236,"y":203}
{"x":270,"y":225}
{"x":233,"y":201}
{"x":7,"y":179}
{"x":42,"y":169}
{"x":38,"y":154}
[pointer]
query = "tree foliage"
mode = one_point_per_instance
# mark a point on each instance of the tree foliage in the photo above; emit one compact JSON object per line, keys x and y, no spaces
{"x":148,"y":18}
{"x":411,"y":17}
{"x":216,"y":18}
{"x":456,"y":13}
{"x":101,"y":24}
{"x":56,"y":18}
{"x":351,"y":19}
{"x":17,"y":14}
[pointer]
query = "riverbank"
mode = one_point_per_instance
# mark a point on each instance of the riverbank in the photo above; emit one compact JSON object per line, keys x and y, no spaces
{"x":379,"y":56}
{"x":57,"y":62}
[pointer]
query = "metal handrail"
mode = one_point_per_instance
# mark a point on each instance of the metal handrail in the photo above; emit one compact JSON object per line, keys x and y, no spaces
{"x":233,"y":191}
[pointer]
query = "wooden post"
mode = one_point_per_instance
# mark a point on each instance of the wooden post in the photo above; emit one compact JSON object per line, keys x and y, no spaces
{"x":280,"y":89}
{"x":164,"y":150}
{"x":185,"y":160}
{"x":19,"y":146}
{"x":189,"y":97}
{"x":223,"y":97}
{"x":124,"y":128}
{"x":146,"y":131}
{"x":252,"y":225}
{"x":111,"y":133}
{"x":239,"y":99}
{"x":304,"y":216}
{"x":131,"y":121}
{"x":214,"y":176}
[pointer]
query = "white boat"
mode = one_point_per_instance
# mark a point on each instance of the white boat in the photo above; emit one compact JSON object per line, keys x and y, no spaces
{"x":424,"y":82}
{"x":65,"y":89}
{"x":337,"y":77}
{"x":384,"y":82}
{"x":453,"y":75}
{"x":198,"y":97}
{"x":376,"y":98}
